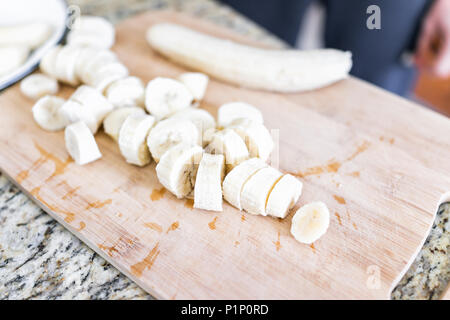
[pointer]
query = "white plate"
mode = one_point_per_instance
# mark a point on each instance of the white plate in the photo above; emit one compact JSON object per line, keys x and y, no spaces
{"x":53,"y":12}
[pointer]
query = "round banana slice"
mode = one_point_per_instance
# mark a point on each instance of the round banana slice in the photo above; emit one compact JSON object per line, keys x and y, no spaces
{"x":235,"y":180}
{"x":80,"y":143}
{"x":36,"y":86}
{"x":170,"y":132}
{"x":257,"y":189}
{"x":91,"y":31}
{"x":12,"y":57}
{"x":93,"y":100}
{"x":231,"y":145}
{"x":132,"y":137}
{"x":90,"y":61}
{"x":74,"y":111}
{"x":126,"y":92}
{"x":48,"y":61}
{"x":47,"y":113}
{"x":208,"y":183}
{"x":257,"y":138}
{"x":108,"y":74}
{"x":196,"y":82}
{"x":178,"y":167}
{"x":202,"y":119}
{"x":164,"y":97}
{"x":229,"y":112}
{"x":284,"y":196}
{"x":310,"y":222}
{"x":65,"y":65}
{"x":30,"y":35}
{"x":114,"y":120}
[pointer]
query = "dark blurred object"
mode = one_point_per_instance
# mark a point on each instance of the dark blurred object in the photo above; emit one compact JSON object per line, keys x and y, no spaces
{"x":377,"y":53}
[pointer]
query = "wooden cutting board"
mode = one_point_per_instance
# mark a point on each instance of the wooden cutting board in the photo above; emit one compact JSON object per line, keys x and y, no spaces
{"x":379,"y":162}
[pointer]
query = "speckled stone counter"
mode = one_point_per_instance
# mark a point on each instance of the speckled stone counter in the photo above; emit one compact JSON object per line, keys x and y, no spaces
{"x":39,"y":259}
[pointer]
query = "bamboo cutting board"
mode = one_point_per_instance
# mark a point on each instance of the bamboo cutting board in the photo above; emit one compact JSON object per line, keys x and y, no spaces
{"x":379,"y":162}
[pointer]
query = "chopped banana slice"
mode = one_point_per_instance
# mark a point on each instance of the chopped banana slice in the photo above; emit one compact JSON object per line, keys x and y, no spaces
{"x":236,"y":179}
{"x":208,"y":184}
{"x":196,"y":82}
{"x":92,"y":31}
{"x":36,"y":86}
{"x":48,"y":61}
{"x":126,"y":92}
{"x":229,"y":112}
{"x":93,"y":100}
{"x":80,"y":143}
{"x":74,"y":111}
{"x":114,"y":120}
{"x":310,"y":222}
{"x":65,"y":63}
{"x":284,"y":196}
{"x":177,"y":169}
{"x":47,"y":113}
{"x":202,"y":119}
{"x":132,"y":137}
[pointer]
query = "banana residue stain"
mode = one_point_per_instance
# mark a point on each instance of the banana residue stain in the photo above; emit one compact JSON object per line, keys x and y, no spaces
{"x":82,"y":226}
{"x":138,"y":268}
{"x":173,"y":226}
{"x":391,"y":141}
{"x":189,"y":203}
{"x":309,"y":172}
{"x":212,"y":224}
{"x":354,"y":226}
{"x":339,"y":199}
{"x":278,"y":243}
{"x":22,"y":176}
{"x":236,"y":243}
{"x":338,"y":217}
{"x":312,"y":247}
{"x":70,"y":193}
{"x":157,"y":194}
{"x":69,"y":215}
{"x":98,"y":204}
{"x":361,"y":148}
{"x":153,"y":226}
{"x":119,"y":214}
{"x":354,"y":174}
{"x":333,"y":166}
{"x":242,"y":217}
{"x":110,"y":250}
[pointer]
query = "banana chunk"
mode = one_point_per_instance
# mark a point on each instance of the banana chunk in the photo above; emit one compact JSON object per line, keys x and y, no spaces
{"x":257,"y":189}
{"x":114,"y":120}
{"x":80,"y":143}
{"x":202,"y":119}
{"x":64,"y":65}
{"x":170,"y":132}
{"x":74,"y":111}
{"x":231,"y":145}
{"x":93,"y":100}
{"x":92,"y":31}
{"x":208,"y":183}
{"x":90,"y":61}
{"x":196,"y":82}
{"x":132,"y":137}
{"x":126,"y":92}
{"x":47,"y":113}
{"x":107,"y":74}
{"x":164,"y":97}
{"x":257,"y":138}
{"x":178,"y":167}
{"x":30,"y":35}
{"x":284,"y":196}
{"x":48,"y":61}
{"x":12,"y":57}
{"x":310,"y":222}
{"x":36,"y":86}
{"x":235,"y":180}
{"x":229,"y":112}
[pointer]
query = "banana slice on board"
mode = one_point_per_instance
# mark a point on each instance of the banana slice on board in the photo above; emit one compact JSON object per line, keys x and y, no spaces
{"x":30,"y":35}
{"x":90,"y":60}
{"x":229,"y":112}
{"x":80,"y":143}
{"x":310,"y":222}
{"x":178,"y":167}
{"x":65,"y":63}
{"x":202,"y":119}
{"x":36,"y":86}
{"x":129,"y":91}
{"x":48,"y":61}
{"x":165,"y":96}
{"x":231,"y":145}
{"x":284,"y":196}
{"x":93,"y":100}
{"x":208,"y":183}
{"x":257,"y":189}
{"x":92,"y":31}
{"x":74,"y":111}
{"x":12,"y":57}
{"x":170,"y":132}
{"x":257,"y":138}
{"x":132,"y":137}
{"x":114,"y":120}
{"x":47,"y":113}
{"x":208,"y":136}
{"x":107,"y":74}
{"x":235,"y":180}
{"x":196,"y":82}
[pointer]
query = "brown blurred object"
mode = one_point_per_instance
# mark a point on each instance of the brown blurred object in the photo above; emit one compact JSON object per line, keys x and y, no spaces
{"x":434,"y":91}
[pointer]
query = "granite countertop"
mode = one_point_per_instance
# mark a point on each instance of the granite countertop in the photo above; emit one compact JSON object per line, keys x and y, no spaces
{"x":39,"y":259}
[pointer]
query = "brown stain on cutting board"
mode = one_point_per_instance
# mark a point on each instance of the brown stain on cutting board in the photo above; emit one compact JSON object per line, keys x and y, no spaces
{"x":70,"y":193}
{"x":242,"y":217}
{"x":82,"y":226}
{"x":98,"y":204}
{"x":157,"y":194}
{"x":339,"y":199}
{"x":313,"y":247}
{"x":277,"y":243}
{"x":355,"y":226}
{"x":212,"y":224}
{"x":360,"y":149}
{"x":338,"y":218}
{"x":110,"y":250}
{"x":70,"y":216}
{"x":153,"y":226}
{"x":333,"y":166}
{"x":355,"y":174}
{"x":236,"y":243}
{"x":138,"y":268}
{"x":173,"y":226}
{"x":189,"y":203}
